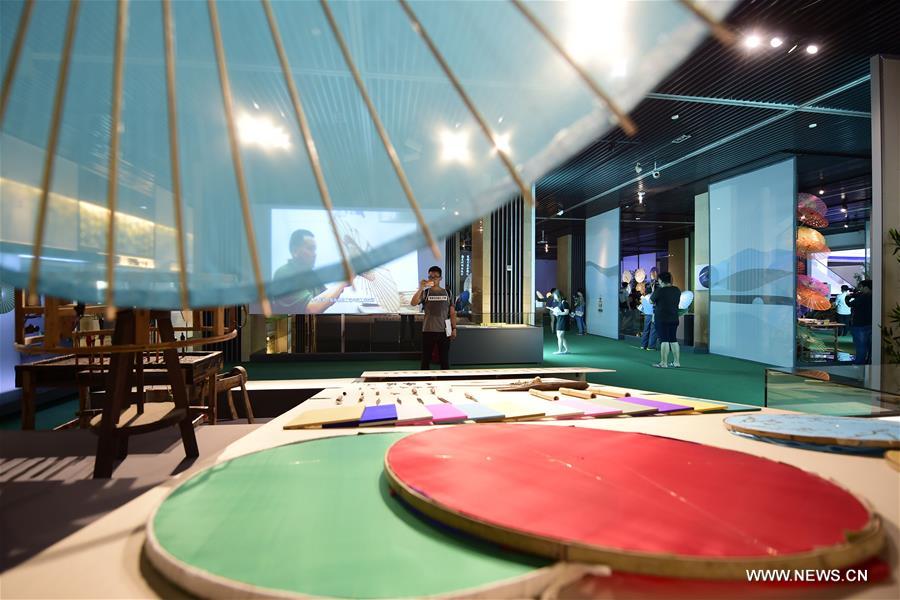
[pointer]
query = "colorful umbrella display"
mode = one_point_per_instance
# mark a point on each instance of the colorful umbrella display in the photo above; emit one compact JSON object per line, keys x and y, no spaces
{"x":812,"y":293}
{"x":812,"y":218}
{"x":811,"y":202}
{"x":810,"y":241}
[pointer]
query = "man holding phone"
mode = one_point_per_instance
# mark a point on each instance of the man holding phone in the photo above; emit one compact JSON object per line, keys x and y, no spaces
{"x":439,"y":325}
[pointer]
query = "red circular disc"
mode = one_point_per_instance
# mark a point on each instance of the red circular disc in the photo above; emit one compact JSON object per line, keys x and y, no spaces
{"x":637,"y":502}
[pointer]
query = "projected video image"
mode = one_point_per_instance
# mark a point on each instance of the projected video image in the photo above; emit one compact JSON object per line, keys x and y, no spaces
{"x":302,"y":239}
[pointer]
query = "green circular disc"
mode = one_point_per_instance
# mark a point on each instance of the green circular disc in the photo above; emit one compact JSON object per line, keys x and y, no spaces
{"x":316,"y":518}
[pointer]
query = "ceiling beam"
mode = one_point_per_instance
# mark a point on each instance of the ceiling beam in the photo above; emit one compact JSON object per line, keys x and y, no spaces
{"x":822,"y":110}
{"x":729,"y":138}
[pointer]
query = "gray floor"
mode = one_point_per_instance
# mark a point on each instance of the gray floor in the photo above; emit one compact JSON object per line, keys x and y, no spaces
{"x":46,"y":489}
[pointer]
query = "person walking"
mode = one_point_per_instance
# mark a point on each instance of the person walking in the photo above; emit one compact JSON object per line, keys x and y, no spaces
{"x":550,"y":304}
{"x":561,"y":311}
{"x":578,"y":312}
{"x":860,"y":303}
{"x":665,"y":317}
{"x":648,"y":334}
{"x":842,"y":310}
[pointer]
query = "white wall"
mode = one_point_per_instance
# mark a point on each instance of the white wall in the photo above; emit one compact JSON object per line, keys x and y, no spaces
{"x":601,"y":275}
{"x":753,"y":264}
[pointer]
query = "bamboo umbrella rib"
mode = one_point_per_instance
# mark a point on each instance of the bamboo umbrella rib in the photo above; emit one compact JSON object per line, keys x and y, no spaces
{"x":59,"y":102}
{"x":172,"y":105}
{"x":625,"y":121}
{"x":236,"y":155}
{"x":308,"y":139}
{"x":13,"y":62}
{"x":525,"y":190}
{"x":112,"y":175}
{"x":722,"y":33}
{"x":379,"y":127}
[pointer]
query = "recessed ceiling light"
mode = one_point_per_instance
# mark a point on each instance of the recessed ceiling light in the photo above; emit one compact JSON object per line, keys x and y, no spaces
{"x":846,"y":226}
{"x":843,"y":208}
{"x":559,"y":212}
{"x":751,"y":41}
{"x":775,"y":42}
{"x":813,"y":125}
{"x":812,"y":49}
{"x":821,"y":192}
{"x":674,"y":117}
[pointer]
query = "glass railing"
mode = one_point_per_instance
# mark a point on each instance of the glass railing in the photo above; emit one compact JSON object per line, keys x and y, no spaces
{"x":825,"y":393}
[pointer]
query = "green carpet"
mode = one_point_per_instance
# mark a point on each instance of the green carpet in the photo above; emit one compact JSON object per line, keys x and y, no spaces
{"x":702,"y":375}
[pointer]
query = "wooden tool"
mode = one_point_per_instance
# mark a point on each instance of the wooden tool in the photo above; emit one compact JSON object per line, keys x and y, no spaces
{"x":538,"y":384}
{"x":583,"y":394}
{"x":543,"y":395}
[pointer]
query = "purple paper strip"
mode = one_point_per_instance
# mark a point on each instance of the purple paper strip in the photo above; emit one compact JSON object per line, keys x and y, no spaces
{"x":590,"y":409}
{"x":383,"y":413}
{"x":663,"y":407}
{"x":446,"y":413}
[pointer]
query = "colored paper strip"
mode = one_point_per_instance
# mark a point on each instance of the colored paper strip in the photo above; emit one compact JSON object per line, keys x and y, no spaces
{"x":445,"y":413}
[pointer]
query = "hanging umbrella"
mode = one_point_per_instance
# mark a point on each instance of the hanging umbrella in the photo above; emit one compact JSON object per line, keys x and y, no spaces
{"x":810,"y":202}
{"x":627,"y":276}
{"x":218,"y":134}
{"x":639,"y":274}
{"x":812,"y":293}
{"x":812,"y":218}
{"x":810,"y":241}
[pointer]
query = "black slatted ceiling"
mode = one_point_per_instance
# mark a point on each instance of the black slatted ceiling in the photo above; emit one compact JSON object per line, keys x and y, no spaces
{"x":847,"y":33}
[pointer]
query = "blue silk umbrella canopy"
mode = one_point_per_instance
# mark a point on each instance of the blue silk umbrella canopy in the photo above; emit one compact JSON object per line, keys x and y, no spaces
{"x":212,"y":132}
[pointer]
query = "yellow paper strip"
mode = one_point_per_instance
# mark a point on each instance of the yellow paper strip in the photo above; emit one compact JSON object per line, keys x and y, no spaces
{"x":327,"y":416}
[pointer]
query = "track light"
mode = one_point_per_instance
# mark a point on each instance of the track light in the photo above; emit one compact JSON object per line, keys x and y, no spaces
{"x":638,"y":168}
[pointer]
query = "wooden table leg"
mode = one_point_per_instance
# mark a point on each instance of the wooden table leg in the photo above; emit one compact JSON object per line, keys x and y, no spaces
{"x":179,"y":388}
{"x":213,"y":400}
{"x":28,"y":399}
{"x":117,"y":389}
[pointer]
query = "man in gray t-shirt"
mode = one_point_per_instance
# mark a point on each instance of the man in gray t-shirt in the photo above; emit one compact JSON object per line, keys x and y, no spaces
{"x":438,"y":308}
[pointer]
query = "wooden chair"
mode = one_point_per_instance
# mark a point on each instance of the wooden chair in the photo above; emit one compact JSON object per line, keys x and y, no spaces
{"x":225,"y":382}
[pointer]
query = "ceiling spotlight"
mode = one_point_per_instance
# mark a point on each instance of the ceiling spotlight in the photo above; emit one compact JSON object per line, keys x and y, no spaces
{"x":638,"y":168}
{"x":821,"y":192}
{"x":794,"y":47}
{"x":844,"y":208}
{"x":846,"y":226}
{"x":775,"y":42}
{"x":843,"y":195}
{"x":751,"y":41}
{"x":559,"y":213}
{"x":674,"y":117}
{"x":655,"y":172}
{"x":813,"y":125}
{"x":546,"y":248}
{"x":812,"y":49}
{"x":637,"y":218}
